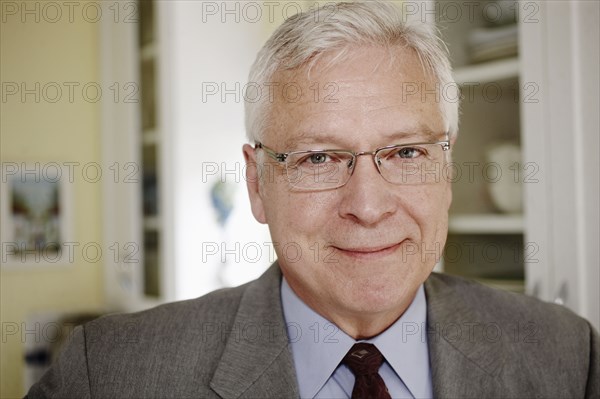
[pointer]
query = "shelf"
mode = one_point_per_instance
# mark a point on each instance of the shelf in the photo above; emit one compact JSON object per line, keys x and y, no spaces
{"x":149,"y":137}
{"x":151,"y":223}
{"x":486,"y":224}
{"x":148,"y":51}
{"x":491,"y":71}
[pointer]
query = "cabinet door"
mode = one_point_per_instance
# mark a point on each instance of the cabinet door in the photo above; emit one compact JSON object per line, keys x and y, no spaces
{"x":560,"y":54}
{"x":187,"y":212}
{"x":486,"y":231}
{"x":128,"y":156}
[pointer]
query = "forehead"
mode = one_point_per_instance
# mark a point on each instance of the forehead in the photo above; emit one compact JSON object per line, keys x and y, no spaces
{"x":373,"y":95}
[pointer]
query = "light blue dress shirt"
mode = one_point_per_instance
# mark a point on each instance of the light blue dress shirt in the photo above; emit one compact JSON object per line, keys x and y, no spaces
{"x":318,"y":347}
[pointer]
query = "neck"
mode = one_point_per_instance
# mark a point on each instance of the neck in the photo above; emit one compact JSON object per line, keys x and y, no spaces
{"x":362,"y":324}
{"x":367,"y":325}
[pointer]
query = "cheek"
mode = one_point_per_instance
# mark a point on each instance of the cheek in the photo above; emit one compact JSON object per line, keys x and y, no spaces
{"x":296,"y":216}
{"x":434,"y":221}
{"x":429,"y":207}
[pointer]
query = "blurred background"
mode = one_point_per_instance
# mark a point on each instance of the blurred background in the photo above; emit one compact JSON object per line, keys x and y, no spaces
{"x":123,"y":177}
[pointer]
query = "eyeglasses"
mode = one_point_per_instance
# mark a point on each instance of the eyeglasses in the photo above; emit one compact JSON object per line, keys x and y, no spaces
{"x":410,"y":164}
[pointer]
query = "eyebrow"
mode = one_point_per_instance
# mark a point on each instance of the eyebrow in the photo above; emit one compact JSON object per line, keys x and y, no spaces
{"x":423,"y":134}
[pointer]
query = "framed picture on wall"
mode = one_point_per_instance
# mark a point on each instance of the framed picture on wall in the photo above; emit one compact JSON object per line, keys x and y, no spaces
{"x":35,"y":214}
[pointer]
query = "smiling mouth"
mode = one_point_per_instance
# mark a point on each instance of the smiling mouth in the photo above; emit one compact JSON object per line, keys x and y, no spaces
{"x":369,"y":252}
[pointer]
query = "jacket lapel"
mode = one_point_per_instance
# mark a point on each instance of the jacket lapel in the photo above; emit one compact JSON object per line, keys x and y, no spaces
{"x":257,"y":361}
{"x":464,"y":358}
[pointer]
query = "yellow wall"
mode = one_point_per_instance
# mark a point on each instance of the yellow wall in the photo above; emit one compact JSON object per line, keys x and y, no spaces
{"x":45,"y":51}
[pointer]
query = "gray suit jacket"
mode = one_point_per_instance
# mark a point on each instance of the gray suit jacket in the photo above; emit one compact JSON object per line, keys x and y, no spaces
{"x":232,"y":343}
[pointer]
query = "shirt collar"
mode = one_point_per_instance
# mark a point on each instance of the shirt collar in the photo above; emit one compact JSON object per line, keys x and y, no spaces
{"x":318,"y":345}
{"x":404,"y":346}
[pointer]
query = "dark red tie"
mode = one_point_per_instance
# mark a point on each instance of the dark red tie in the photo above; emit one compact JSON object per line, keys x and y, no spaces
{"x":364,"y":360}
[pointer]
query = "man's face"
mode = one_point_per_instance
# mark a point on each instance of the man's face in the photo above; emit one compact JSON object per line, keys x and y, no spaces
{"x":363,"y":249}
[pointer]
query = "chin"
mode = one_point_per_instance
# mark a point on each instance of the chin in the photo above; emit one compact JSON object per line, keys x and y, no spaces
{"x":382,"y":295}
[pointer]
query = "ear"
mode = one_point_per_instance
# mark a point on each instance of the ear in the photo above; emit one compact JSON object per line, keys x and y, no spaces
{"x":253,"y":184}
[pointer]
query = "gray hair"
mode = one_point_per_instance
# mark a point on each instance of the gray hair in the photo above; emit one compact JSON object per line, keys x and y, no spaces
{"x":304,"y":37}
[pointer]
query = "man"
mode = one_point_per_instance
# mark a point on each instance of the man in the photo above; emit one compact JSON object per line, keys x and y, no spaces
{"x":345,"y":173}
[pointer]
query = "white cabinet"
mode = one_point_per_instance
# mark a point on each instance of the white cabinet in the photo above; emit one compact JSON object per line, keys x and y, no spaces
{"x":548,"y":106}
{"x":134,"y":204}
{"x":486,"y":225}
{"x":184,"y":147}
{"x":561,"y":54}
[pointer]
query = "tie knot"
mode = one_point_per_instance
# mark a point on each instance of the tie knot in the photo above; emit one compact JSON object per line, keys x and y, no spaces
{"x":363,"y":359}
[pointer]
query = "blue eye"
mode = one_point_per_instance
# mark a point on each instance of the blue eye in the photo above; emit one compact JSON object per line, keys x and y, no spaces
{"x":409,"y":152}
{"x":319,"y":157}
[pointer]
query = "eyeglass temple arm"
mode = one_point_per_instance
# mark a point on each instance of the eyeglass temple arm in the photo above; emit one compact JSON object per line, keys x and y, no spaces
{"x":275,"y":155}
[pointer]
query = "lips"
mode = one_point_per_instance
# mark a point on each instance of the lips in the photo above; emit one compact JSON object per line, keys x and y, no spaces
{"x":368,"y":251}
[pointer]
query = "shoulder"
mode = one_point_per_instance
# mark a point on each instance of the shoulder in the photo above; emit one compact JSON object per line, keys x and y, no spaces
{"x":197,"y":317}
{"x":142,"y":354}
{"x":521,"y":340}
{"x":481,"y":301}
{"x":220,"y":306}
{"x":171,"y":350}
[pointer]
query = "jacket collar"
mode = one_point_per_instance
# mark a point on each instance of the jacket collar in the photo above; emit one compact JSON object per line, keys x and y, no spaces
{"x":257,"y":361}
{"x":466,"y":354}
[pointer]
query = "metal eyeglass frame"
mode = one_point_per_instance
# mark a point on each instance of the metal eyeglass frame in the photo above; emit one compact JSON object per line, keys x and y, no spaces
{"x":281,"y":157}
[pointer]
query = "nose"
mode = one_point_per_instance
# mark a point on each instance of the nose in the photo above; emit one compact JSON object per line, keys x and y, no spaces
{"x":366,"y":198}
